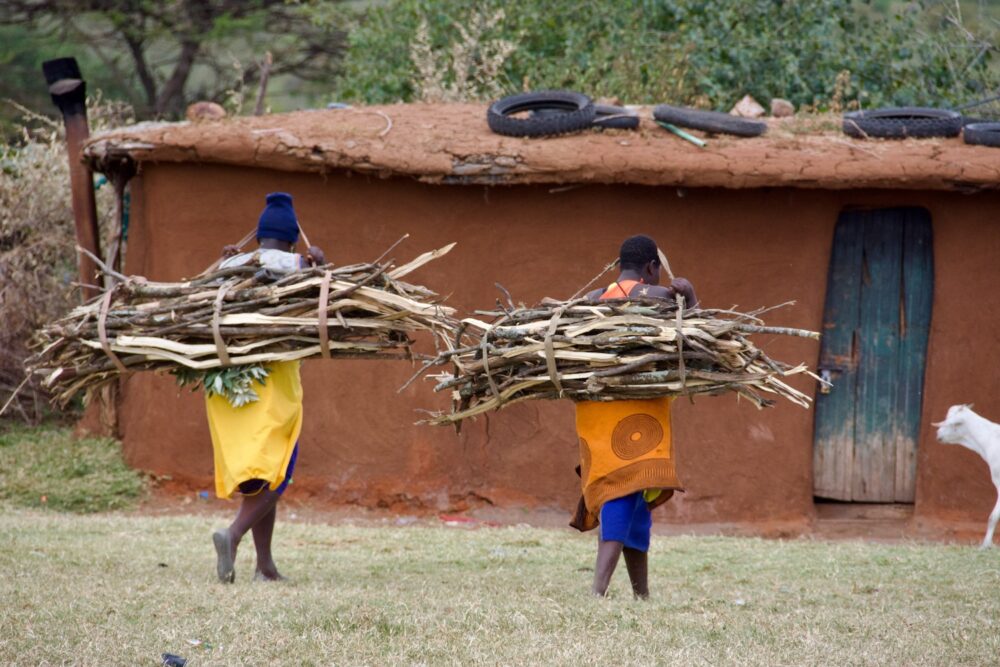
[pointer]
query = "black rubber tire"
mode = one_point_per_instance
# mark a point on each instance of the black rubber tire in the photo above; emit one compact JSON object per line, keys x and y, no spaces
{"x":618,"y":118}
{"x":566,"y":111}
{"x":902,"y":122}
{"x":606,"y":115}
{"x":709,"y":121}
{"x":982,"y":134}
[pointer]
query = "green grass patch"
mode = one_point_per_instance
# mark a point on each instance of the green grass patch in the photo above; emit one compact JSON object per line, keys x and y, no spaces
{"x":122,"y":589}
{"x":45,"y":466}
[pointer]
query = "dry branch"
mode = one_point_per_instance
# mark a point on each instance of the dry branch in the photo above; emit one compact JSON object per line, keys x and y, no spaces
{"x":240,"y":315}
{"x":610,"y":350}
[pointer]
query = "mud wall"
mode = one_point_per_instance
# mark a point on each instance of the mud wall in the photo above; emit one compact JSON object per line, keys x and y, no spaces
{"x":739,"y":247}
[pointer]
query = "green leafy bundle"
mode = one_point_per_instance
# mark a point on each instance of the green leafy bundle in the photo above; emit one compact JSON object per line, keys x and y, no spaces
{"x":234,"y":383}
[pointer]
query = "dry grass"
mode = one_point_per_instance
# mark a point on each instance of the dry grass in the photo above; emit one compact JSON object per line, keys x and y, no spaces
{"x":123,"y":589}
{"x":37,"y":241}
{"x":470,"y":68}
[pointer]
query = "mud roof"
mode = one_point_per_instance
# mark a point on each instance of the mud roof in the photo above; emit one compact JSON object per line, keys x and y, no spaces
{"x":451,"y":144}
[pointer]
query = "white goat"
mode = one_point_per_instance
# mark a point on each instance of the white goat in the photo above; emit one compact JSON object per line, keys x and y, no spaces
{"x":964,"y":427}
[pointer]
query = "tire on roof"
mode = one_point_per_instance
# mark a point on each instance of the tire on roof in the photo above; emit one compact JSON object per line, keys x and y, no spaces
{"x":605,"y":115}
{"x":616,"y":117}
{"x":982,"y":134}
{"x":709,"y":121}
{"x":902,"y":122}
{"x":565,"y":111}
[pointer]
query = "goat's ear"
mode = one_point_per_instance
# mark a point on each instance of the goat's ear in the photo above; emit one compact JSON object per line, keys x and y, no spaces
{"x":937,"y":424}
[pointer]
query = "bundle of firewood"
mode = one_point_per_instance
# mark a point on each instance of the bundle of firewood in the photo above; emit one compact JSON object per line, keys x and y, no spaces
{"x":610,"y":350}
{"x":239,"y":316}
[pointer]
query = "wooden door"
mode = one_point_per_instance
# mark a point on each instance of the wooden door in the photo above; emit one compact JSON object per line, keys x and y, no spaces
{"x":875,"y":326}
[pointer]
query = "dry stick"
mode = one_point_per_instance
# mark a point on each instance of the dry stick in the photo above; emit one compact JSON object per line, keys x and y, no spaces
{"x":664,"y":263}
{"x":14,"y":395}
{"x":220,"y":344}
{"x":100,"y":263}
{"x":103,"y":333}
{"x":305,"y":239}
{"x":858,"y":128}
{"x":680,"y":341}
{"x":239,"y":246}
{"x":645,"y":335}
{"x":783,"y":331}
{"x":550,"y":357}
{"x":486,"y":366}
{"x":390,"y":248}
{"x":321,"y":311}
{"x":378,"y":321}
{"x":385,"y":117}
{"x":510,"y":299}
{"x":593,"y":280}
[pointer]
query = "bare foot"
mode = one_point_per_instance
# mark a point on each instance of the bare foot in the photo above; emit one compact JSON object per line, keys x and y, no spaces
{"x":225,"y":553}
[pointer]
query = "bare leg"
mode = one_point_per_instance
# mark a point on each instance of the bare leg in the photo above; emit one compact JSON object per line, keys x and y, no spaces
{"x":607,"y":561}
{"x":991,"y":526}
{"x":252,"y":509}
{"x":638,"y":572}
{"x":262,"y":532}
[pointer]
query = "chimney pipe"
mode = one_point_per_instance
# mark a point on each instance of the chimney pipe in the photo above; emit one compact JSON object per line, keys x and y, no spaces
{"x":69,"y":92}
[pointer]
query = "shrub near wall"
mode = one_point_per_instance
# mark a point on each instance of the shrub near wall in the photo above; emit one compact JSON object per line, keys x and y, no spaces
{"x":704,"y":52}
{"x":37,"y":245}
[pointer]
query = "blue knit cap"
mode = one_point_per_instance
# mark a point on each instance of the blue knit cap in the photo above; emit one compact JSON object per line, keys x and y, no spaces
{"x":277,"y":220}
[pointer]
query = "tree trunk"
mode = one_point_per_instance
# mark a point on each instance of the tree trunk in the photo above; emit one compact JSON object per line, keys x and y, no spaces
{"x":171,"y":98}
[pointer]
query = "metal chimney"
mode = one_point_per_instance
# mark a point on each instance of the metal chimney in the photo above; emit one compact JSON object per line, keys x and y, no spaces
{"x":69,"y":92}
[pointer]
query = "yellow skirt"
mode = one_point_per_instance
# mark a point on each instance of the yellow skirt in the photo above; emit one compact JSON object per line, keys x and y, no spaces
{"x":256,"y":440}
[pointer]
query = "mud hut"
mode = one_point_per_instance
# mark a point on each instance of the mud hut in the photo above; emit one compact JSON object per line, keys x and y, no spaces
{"x":888,"y":247}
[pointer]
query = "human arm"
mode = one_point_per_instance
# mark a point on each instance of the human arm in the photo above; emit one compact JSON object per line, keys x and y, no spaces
{"x":680,"y":286}
{"x":683,"y":287}
{"x":314,"y":257}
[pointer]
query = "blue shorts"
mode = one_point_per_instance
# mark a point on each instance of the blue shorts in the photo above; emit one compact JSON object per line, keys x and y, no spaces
{"x":252,"y":487}
{"x":627,"y":520}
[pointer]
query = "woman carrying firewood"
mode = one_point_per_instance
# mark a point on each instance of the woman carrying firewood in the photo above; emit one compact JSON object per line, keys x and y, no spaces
{"x":626,"y":451}
{"x":255,"y":445}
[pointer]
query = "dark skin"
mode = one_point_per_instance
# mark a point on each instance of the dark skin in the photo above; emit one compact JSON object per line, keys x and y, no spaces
{"x":314,"y":255}
{"x":649,"y":275}
{"x":609,"y":552}
{"x":258,"y":512}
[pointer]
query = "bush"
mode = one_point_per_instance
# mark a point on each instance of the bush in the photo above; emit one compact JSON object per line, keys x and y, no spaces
{"x":37,"y":244}
{"x":703,"y":52}
{"x":46,"y":467}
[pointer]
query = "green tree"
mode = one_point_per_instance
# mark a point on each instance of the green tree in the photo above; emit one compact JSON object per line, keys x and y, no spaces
{"x":168,"y":53}
{"x":703,"y":52}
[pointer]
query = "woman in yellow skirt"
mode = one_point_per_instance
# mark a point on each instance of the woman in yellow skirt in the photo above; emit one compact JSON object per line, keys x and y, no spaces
{"x":255,"y":446}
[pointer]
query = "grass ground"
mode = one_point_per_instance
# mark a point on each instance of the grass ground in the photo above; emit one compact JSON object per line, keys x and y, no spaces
{"x":122,"y":589}
{"x":45,"y":466}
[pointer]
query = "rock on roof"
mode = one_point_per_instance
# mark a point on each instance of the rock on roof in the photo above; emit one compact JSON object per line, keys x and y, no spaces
{"x":451,"y":143}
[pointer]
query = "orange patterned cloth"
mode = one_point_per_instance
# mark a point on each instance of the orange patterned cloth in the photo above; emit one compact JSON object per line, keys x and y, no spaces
{"x":625,"y":446}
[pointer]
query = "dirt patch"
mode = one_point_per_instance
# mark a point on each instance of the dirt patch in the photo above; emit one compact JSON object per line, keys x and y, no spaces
{"x":869,"y":523}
